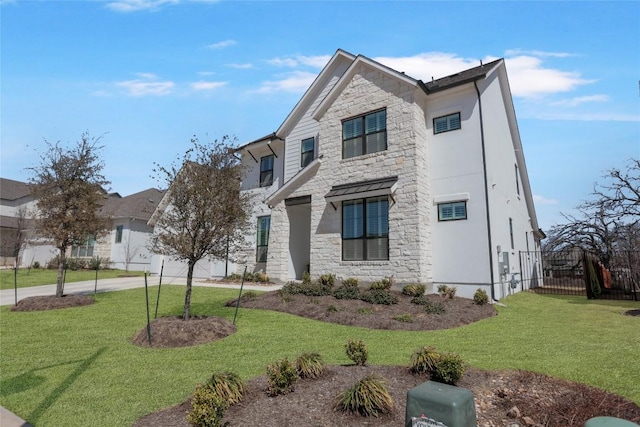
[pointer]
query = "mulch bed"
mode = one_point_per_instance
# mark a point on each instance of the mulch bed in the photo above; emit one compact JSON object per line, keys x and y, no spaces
{"x":169,"y":332}
{"x":52,"y":302}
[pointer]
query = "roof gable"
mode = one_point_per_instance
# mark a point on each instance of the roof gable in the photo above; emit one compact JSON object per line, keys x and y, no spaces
{"x":13,"y":190}
{"x":140,"y":205}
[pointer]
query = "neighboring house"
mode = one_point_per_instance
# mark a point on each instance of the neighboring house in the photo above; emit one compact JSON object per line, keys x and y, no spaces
{"x":376,"y":174}
{"x":127,"y":244}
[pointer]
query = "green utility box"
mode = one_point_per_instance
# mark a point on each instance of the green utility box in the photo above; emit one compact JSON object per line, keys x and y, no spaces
{"x":609,"y":422}
{"x":440,"y":405}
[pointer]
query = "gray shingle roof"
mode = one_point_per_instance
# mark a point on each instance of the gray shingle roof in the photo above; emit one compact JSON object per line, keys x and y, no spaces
{"x":460,"y":78}
{"x":13,"y":190}
{"x":139,"y":205}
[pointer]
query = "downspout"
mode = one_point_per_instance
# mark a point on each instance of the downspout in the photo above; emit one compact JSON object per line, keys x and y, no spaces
{"x":486,"y":192}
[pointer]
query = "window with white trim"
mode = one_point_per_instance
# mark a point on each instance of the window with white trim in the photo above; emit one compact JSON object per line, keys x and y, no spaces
{"x":266,"y":170}
{"x":262,"y":240}
{"x":365,"y":229}
{"x":446,"y":123}
{"x":452,"y":211}
{"x":307,"y":151}
{"x":365,"y":134}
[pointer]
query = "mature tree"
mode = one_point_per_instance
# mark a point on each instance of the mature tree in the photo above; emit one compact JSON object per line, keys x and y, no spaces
{"x":204,"y":213}
{"x":69,"y":190}
{"x":608,"y":221}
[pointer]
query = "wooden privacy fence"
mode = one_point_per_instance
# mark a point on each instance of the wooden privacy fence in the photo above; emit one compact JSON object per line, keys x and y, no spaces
{"x":577,"y":272}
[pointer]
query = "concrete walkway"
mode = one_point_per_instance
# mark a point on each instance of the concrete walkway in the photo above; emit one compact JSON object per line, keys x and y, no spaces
{"x":8,"y":296}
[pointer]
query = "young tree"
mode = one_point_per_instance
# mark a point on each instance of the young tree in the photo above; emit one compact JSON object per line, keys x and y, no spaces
{"x":203,"y":207}
{"x":69,"y":190}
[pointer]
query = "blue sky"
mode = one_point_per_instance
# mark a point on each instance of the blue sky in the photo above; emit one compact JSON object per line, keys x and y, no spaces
{"x":146,"y":75}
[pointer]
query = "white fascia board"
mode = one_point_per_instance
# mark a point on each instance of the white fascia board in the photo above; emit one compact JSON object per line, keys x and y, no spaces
{"x":348,"y":75}
{"x":446,"y":198}
{"x":295,"y":181}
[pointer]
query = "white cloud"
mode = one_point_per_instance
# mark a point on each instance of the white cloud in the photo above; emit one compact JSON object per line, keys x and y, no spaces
{"x":589,"y":117}
{"x":579,"y":100}
{"x":222,"y":44}
{"x":240,"y":66}
{"x":201,"y":85}
{"x":543,"y":200}
{"x":297,"y":81}
{"x":301,"y":60}
{"x":140,"y":5}
{"x":538,"y":53}
{"x":146,"y":85}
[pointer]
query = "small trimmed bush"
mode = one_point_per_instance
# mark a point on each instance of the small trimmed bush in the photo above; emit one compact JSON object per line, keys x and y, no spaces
{"x":327,"y":280}
{"x":414,"y":290}
{"x":430,"y":307}
{"x":424,"y":360}
{"x":480,"y":297}
{"x":207,"y":407}
{"x":228,"y":385}
{"x":357,"y":351}
{"x":281,"y":377}
{"x":347,"y":290}
{"x":379,"y":296}
{"x":446,"y":291}
{"x":368,"y":397}
{"x":310,"y":365}
{"x":292,"y":288}
{"x":406,"y":318}
{"x":449,"y":369}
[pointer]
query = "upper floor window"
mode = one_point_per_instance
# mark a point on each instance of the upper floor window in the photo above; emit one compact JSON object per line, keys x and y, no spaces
{"x":119,"y":233}
{"x":517,"y":181}
{"x":365,"y":229}
{"x":452,"y":211}
{"x":266,"y":170}
{"x":307,"y":151}
{"x":364,"y":134}
{"x":446,"y":123}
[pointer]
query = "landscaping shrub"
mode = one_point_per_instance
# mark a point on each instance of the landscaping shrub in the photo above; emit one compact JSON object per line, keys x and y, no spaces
{"x":281,"y":377}
{"x":312,"y":289}
{"x":368,"y":397}
{"x":357,"y":351}
{"x":379,"y":296}
{"x":310,"y":365}
{"x":35,"y":265}
{"x":365,"y":310}
{"x":327,"y":280}
{"x":347,"y":290}
{"x":403,"y":318}
{"x":430,"y":307}
{"x":332,"y":309}
{"x":292,"y":288}
{"x":207,"y":407}
{"x":424,"y":360}
{"x":480,"y":297}
{"x":446,"y":291}
{"x":228,"y":385}
{"x":384,"y":284}
{"x":449,"y":369}
{"x":261,"y":277}
{"x":414,"y":290}
{"x":306,"y":278}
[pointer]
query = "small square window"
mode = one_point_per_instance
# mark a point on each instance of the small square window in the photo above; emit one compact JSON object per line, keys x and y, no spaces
{"x":452,"y":211}
{"x":446,"y":123}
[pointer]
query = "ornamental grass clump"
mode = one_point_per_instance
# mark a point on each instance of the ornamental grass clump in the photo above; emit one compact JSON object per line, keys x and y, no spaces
{"x":414,"y":290}
{"x":281,"y":377}
{"x":310,"y":365}
{"x":441,"y":367}
{"x":446,"y":291}
{"x":424,"y":360}
{"x":207,"y":407}
{"x":228,"y":385}
{"x":368,"y":397}
{"x":357,"y":351}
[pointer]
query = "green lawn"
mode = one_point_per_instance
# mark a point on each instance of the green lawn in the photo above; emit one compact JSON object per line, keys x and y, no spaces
{"x":42,"y":276}
{"x":75,"y":367}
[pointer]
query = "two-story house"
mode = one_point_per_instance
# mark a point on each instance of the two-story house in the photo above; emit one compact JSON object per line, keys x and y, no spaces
{"x":376,"y":174}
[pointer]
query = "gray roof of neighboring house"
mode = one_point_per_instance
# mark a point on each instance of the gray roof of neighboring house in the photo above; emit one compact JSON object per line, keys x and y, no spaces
{"x":460,"y":78}
{"x":13,"y":190}
{"x":139,"y":205}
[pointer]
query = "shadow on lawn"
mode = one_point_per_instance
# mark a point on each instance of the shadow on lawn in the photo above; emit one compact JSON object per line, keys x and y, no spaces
{"x":582,"y":300}
{"x":49,"y":400}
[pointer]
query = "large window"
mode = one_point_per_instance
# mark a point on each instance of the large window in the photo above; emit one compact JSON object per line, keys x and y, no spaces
{"x":364,"y":134}
{"x":446,"y":123}
{"x":307,"y":151}
{"x":262,"y":242}
{"x":84,"y":250}
{"x":365,"y":229}
{"x":452,"y":211}
{"x":119,"y":233}
{"x":266,"y":171}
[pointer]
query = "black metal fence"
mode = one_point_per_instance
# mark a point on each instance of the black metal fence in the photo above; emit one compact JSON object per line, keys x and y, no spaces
{"x":576,"y":272}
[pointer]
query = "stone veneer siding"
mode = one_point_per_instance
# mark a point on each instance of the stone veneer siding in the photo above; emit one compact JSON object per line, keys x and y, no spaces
{"x":406,"y":157}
